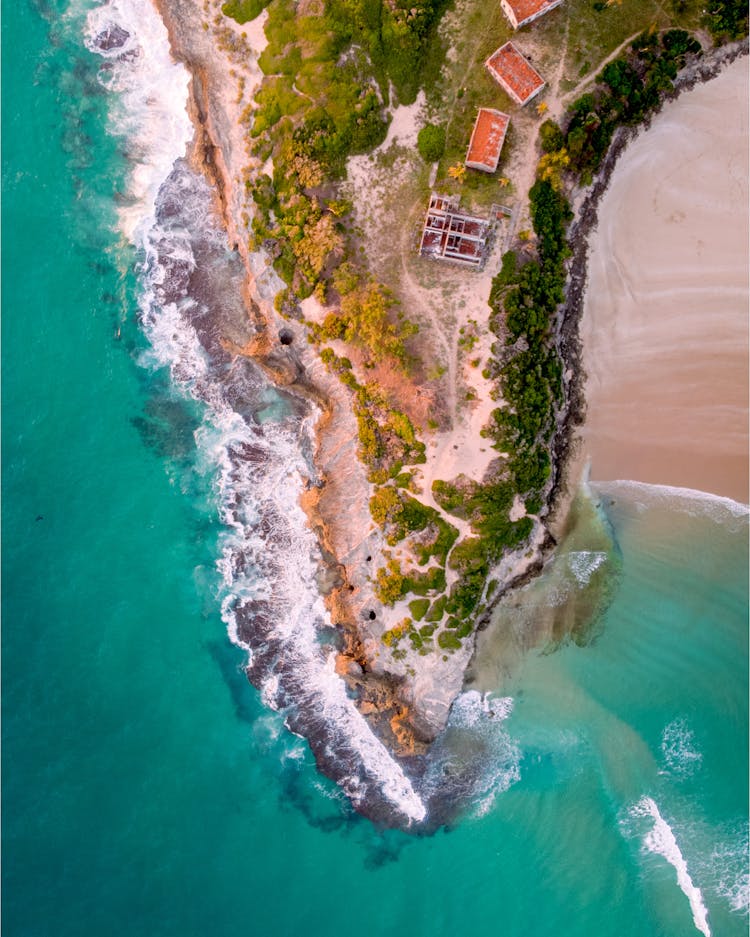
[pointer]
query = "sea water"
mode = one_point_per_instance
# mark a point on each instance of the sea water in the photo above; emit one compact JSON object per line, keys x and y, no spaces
{"x":147,"y":787}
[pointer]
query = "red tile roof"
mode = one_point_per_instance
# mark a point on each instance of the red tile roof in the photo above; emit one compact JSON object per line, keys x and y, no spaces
{"x":487,"y":139}
{"x":525,"y":10}
{"x":514,"y":73}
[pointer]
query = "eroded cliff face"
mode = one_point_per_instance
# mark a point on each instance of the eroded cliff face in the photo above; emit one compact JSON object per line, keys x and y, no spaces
{"x":407,"y":707}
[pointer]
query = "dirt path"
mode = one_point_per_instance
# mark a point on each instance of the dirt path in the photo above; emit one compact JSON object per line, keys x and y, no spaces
{"x":443,"y":329}
{"x":591,"y":77}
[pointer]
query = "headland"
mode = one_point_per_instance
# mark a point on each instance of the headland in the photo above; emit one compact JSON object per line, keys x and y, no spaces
{"x":449,"y":399}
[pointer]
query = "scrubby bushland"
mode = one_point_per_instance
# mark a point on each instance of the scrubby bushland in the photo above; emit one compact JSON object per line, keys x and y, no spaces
{"x":627,"y":90}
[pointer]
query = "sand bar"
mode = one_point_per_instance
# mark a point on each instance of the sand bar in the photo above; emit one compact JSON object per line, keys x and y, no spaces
{"x":665,"y":323}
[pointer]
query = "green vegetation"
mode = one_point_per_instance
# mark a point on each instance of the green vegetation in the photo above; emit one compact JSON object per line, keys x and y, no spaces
{"x":450,"y":498}
{"x":401,"y":515}
{"x":328,"y":73}
{"x":389,"y":583}
{"x":395,"y":36}
{"x":431,"y":581}
{"x":366,"y":318}
{"x":524,"y":301}
{"x":431,"y":142}
{"x":391,"y":637}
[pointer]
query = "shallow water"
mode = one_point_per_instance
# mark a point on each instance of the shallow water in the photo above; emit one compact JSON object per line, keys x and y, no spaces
{"x":147,"y":788}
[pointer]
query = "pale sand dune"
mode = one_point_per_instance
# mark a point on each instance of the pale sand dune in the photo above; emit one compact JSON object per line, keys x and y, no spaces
{"x":665,"y":324}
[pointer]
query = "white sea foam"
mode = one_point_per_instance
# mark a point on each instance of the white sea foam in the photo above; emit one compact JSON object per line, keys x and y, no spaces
{"x":284,"y":551}
{"x":477,"y":755}
{"x":729,"y":861}
{"x":681,"y":755}
{"x":150,"y":107}
{"x":584,"y":563}
{"x":660,"y":839}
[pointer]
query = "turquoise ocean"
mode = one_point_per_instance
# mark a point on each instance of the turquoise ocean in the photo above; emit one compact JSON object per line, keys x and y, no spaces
{"x":148,"y":788}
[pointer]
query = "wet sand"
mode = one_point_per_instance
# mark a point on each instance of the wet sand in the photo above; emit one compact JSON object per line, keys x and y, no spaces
{"x":665,"y":323}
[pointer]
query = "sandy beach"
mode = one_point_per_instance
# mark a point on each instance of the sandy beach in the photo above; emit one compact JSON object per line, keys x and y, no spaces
{"x":665,"y":323}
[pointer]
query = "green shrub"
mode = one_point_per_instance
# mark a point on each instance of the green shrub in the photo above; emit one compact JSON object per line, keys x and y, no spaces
{"x":469,"y":555}
{"x":416,"y":639}
{"x":441,"y":545}
{"x":385,"y":506}
{"x":464,"y":629}
{"x":389,"y":583}
{"x":243,"y":11}
{"x":450,"y":498}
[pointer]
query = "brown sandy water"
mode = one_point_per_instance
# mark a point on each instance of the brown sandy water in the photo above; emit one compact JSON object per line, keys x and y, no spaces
{"x":665,"y":323}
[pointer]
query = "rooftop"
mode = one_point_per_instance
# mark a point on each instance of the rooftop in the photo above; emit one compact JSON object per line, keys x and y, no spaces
{"x":525,"y":10}
{"x":514,"y":73}
{"x":487,"y":139}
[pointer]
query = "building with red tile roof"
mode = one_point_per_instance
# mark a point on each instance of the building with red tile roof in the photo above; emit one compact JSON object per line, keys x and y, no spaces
{"x":521,"y":12}
{"x":514,"y":74}
{"x":487,"y":139}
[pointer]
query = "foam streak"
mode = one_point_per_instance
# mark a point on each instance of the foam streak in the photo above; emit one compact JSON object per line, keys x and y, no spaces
{"x":661,"y":840}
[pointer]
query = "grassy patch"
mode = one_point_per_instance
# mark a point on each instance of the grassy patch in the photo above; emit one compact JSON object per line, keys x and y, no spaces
{"x":449,"y":641}
{"x":418,"y":608}
{"x":431,"y":581}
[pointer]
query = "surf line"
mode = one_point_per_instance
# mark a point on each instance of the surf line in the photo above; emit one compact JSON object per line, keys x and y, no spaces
{"x":661,"y":840}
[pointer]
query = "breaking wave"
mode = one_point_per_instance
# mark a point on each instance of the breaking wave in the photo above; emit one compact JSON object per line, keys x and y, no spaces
{"x":660,"y":839}
{"x":189,"y":289}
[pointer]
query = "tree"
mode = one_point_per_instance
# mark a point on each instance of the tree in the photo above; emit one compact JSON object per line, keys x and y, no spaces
{"x":551,"y":137}
{"x":320,"y":239}
{"x":552,"y":166}
{"x":457,"y":172}
{"x":431,"y":142}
